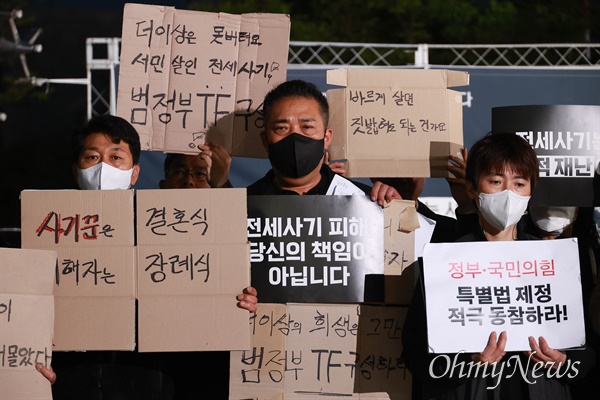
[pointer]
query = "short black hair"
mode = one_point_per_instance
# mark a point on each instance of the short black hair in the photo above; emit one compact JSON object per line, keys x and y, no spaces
{"x":497,"y":151}
{"x":296,"y":88}
{"x":116,"y":128}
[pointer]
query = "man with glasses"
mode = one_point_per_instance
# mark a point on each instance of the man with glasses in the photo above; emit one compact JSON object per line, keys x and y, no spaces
{"x":205,"y":170}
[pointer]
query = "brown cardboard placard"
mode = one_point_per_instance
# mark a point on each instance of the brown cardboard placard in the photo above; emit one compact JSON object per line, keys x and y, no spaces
{"x":83,"y":218}
{"x":328,"y":350}
{"x":26,"y":322}
{"x":175,"y":307}
{"x":193,"y":259}
{"x":179,"y":216}
{"x":95,"y":271}
{"x":354,"y":396}
{"x":254,"y":373}
{"x":291,"y":346}
{"x":399,"y":240}
{"x":395,"y":122}
{"x":193,"y":269}
{"x":399,"y":235}
{"x":95,"y":289}
{"x":300,"y":351}
{"x":192,"y":323}
{"x":379,"y":348}
{"x":95,"y":323}
{"x":92,"y":232}
{"x":191,"y":76}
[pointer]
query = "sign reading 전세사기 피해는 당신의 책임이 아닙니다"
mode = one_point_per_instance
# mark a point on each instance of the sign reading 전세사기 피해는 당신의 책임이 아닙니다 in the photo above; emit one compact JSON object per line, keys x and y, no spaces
{"x":326,"y":249}
{"x":190,"y":76}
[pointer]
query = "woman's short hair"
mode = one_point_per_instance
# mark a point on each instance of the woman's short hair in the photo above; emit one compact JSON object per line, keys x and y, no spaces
{"x":497,"y":152}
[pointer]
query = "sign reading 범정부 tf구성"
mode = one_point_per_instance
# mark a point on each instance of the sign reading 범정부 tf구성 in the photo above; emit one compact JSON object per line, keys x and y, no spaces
{"x":326,"y":249}
{"x":324,"y":350}
{"x":190,"y":76}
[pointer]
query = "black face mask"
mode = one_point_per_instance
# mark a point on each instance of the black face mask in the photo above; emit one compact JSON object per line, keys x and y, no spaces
{"x":296,"y":155}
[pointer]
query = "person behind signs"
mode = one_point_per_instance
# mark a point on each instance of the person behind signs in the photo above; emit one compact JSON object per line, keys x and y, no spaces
{"x":296,"y":136}
{"x":501,"y":172}
{"x":193,"y":372}
{"x":106,"y":155}
{"x":205,"y":170}
{"x":559,"y":222}
{"x":184,"y":171}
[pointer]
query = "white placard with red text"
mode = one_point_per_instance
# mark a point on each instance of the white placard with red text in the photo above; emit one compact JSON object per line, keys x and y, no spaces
{"x":526,"y":288}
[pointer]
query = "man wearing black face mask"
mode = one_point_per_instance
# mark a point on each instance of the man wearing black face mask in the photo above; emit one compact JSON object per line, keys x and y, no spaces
{"x":296,"y":137}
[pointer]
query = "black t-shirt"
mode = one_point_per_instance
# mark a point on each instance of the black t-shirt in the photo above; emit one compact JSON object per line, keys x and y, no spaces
{"x":266,"y":185}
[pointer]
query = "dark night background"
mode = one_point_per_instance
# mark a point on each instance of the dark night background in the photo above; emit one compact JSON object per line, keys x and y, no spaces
{"x":35,"y":148}
{"x":35,"y":138}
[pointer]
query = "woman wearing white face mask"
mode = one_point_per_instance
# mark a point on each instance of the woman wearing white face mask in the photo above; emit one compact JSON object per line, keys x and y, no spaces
{"x":501,"y":173}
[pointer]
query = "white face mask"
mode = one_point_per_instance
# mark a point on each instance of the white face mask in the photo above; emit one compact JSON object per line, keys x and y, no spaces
{"x":502,"y":209}
{"x":553,"y":220}
{"x":104,"y":177}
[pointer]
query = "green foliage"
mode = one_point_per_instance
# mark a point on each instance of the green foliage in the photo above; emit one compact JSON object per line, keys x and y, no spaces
{"x":242,"y":6}
{"x":427,"y":21}
{"x":556,"y":21}
{"x":12,"y":92}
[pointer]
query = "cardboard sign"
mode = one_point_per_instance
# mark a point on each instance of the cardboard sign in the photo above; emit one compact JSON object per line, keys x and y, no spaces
{"x":400,"y":227}
{"x":92,"y":232}
{"x":315,"y":248}
{"x":354,"y":396}
{"x":309,"y":350}
{"x":526,"y":288}
{"x":193,"y":259}
{"x":189,"y":76}
{"x":95,"y":298}
{"x":395,"y":122}
{"x":566,"y":139}
{"x":82,"y":218}
{"x":183,"y":216}
{"x":379,"y":367}
{"x":26,"y":322}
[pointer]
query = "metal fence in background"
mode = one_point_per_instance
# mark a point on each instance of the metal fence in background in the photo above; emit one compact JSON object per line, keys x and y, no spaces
{"x":102,"y":60}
